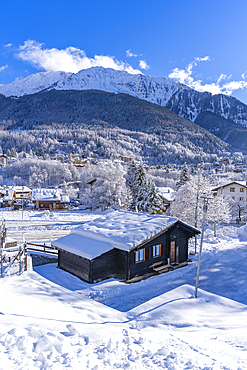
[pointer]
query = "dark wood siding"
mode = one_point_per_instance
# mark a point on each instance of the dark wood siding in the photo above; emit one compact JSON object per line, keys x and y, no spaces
{"x":180,"y":236}
{"x":122,"y":264}
{"x":105,"y":266}
{"x":178,"y":233}
{"x":143,"y":267}
{"x":74,"y":264}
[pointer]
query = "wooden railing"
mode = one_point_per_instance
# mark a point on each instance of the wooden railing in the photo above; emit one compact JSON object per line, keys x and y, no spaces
{"x":14,"y":256}
{"x":17,"y":256}
{"x":41,"y":248}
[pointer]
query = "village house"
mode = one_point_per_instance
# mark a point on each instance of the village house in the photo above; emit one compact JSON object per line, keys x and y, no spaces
{"x":51,"y":199}
{"x":167,"y":194}
{"x":124,"y":245}
{"x":7,"y":197}
{"x":235,"y":190}
{"x":22,"y":192}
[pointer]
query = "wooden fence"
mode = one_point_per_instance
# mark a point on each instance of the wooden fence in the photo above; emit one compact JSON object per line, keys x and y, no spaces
{"x":14,"y":260}
{"x":41,"y":248}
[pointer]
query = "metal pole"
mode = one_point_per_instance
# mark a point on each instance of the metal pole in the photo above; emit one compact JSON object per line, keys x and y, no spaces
{"x":1,"y":263}
{"x":205,"y":208}
{"x":196,"y":210}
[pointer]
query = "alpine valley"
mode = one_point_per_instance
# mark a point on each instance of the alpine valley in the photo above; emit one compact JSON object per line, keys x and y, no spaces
{"x":152,"y":118}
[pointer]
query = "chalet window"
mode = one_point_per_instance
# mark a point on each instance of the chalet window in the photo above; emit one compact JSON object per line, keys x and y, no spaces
{"x":157,"y":250}
{"x":241,"y":198}
{"x":233,"y":198}
{"x":241,"y":190}
{"x":140,"y":255}
{"x":232,"y":190}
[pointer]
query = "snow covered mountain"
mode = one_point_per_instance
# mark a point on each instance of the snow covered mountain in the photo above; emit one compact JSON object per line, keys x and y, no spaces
{"x":181,"y":99}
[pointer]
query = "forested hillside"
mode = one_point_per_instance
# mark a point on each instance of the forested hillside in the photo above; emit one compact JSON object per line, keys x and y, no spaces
{"x":149,"y":129}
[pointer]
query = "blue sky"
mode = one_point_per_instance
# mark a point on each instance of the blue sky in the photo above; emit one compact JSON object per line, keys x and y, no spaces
{"x":201,"y":43}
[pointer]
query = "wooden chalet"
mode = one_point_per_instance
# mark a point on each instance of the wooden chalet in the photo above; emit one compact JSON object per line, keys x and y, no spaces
{"x":124,"y":245}
{"x":22,"y":192}
{"x":51,"y":199}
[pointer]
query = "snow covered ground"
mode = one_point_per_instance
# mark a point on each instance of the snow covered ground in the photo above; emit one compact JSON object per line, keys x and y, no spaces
{"x":43,"y":225}
{"x":50,"y":319}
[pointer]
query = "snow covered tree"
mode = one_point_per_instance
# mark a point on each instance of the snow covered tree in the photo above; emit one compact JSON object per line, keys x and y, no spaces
{"x":135,"y":178}
{"x":149,"y":200}
{"x":238,"y":208}
{"x":13,"y":152}
{"x":144,"y":193}
{"x":184,"y":176}
{"x":188,"y":205}
{"x":218,"y":211}
{"x":109,"y":189}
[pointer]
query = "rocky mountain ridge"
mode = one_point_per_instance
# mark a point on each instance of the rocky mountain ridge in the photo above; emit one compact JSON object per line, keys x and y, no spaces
{"x":181,"y":99}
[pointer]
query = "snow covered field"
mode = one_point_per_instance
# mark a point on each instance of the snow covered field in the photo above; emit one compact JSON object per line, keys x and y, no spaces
{"x":50,"y":319}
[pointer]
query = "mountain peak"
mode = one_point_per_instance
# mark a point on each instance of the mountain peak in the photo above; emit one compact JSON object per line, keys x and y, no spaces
{"x":181,"y":99}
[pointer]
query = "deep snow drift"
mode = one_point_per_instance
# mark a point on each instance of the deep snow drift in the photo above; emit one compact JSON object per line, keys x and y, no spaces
{"x":50,"y":319}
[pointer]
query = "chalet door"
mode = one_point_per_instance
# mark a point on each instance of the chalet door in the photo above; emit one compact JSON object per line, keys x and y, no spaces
{"x":173,"y":252}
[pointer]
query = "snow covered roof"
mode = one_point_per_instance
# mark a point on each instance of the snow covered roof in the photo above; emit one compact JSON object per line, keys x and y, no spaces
{"x":9,"y":194}
{"x":114,"y":229}
{"x":46,"y":194}
{"x":167,"y":193}
{"x":20,"y":189}
{"x":241,"y":183}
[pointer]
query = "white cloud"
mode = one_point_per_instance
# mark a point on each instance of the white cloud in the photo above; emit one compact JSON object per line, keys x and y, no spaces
{"x":221,"y":86}
{"x":7,"y":45}
{"x":243,"y":75}
{"x":3,"y":68}
{"x":143,"y":65}
{"x":204,"y":59}
{"x":129,"y":54}
{"x":70,"y":59}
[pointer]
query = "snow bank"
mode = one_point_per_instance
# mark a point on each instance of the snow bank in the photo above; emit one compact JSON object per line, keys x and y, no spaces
{"x":242,"y":233}
{"x":45,"y":326}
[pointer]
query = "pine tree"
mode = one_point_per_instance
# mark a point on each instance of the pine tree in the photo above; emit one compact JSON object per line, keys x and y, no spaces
{"x":184,"y":176}
{"x":13,"y":152}
{"x":150,"y":199}
{"x":132,"y":182}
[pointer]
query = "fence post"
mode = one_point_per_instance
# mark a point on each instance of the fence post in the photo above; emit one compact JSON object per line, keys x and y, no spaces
{"x":20,"y":260}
